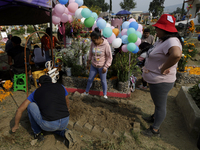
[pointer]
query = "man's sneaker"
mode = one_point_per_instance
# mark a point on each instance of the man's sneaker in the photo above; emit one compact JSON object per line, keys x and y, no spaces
{"x":105,"y":96}
{"x":149,"y":119}
{"x":39,"y":136}
{"x":150,"y":132}
{"x":142,"y":87}
{"x":86,"y":93}
{"x":70,"y":140}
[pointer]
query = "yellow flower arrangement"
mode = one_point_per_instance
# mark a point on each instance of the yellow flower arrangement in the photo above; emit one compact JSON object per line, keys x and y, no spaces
{"x":192,"y":26}
{"x":193,"y":70}
{"x":3,"y":94}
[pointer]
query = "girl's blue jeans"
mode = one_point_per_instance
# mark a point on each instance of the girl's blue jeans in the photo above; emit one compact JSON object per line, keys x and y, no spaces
{"x":38,"y":124}
{"x":93,"y":72}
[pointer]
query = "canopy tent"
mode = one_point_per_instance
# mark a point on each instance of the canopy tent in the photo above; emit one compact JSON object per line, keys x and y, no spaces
{"x":123,"y":12}
{"x":24,"y":12}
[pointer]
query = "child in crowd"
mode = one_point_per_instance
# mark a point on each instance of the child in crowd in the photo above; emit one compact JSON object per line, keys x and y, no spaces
{"x":144,"y":47}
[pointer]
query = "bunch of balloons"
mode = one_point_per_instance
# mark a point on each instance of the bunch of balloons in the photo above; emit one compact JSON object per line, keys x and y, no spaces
{"x":130,"y":36}
{"x":61,"y":13}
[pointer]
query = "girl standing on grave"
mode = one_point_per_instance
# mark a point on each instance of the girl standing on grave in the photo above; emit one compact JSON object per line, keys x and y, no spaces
{"x":100,"y":57}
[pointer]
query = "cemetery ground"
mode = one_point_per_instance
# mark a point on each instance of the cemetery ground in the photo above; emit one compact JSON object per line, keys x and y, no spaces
{"x":102,"y":124}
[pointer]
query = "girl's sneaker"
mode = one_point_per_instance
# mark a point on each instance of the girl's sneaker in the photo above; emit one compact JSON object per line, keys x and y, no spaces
{"x":142,"y":87}
{"x":86,"y":93}
{"x":105,"y":96}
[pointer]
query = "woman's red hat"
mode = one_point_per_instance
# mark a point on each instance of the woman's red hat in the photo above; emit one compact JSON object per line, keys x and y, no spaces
{"x":167,"y":23}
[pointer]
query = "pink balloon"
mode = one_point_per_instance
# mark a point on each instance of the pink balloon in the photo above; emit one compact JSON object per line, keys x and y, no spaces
{"x":64,"y":18}
{"x":72,"y":14}
{"x":71,"y":1}
{"x":110,"y":39}
{"x":138,"y":42}
{"x":70,"y":19}
{"x":141,"y":32}
{"x":59,"y":9}
{"x":140,"y":27}
{"x":55,"y":19}
{"x":131,"y":20}
{"x":124,"y":48}
{"x":72,"y":7}
{"x":124,"y":32}
{"x":94,"y":26}
{"x":66,"y":10}
{"x":112,"y":27}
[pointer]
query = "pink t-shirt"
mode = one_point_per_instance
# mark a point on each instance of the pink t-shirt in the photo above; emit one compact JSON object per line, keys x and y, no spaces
{"x":101,"y":55}
{"x":156,"y":57}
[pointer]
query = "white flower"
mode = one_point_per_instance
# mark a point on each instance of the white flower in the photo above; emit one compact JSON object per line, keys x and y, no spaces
{"x":183,"y":55}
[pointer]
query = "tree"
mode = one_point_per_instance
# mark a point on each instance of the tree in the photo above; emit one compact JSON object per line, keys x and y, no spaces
{"x":179,"y":10}
{"x":128,"y":4}
{"x":156,"y":7}
{"x":96,"y":9}
{"x":100,"y":3}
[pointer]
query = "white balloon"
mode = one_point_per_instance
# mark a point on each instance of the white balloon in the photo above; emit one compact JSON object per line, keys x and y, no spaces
{"x":108,"y":25}
{"x":78,"y":13}
{"x":117,"y":43}
{"x":82,"y":20}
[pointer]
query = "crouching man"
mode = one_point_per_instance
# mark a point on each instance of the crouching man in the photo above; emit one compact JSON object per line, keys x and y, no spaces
{"x":48,"y":110}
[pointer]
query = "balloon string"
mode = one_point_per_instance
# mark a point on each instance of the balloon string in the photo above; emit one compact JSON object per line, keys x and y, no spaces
{"x":63,"y":26}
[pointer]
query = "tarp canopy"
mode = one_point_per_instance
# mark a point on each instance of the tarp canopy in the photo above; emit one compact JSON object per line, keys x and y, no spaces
{"x":123,"y":12}
{"x":24,"y":12}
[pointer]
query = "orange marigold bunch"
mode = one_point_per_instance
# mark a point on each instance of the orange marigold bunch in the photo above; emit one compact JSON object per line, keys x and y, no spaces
{"x":8,"y":84}
{"x":192,"y":26}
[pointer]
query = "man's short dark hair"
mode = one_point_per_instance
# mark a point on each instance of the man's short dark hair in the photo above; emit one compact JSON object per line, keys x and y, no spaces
{"x":147,"y":30}
{"x":45,"y":79}
{"x":36,"y":46}
{"x":16,"y":40}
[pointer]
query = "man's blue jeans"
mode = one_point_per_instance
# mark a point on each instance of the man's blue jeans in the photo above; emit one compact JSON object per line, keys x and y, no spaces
{"x":38,"y":124}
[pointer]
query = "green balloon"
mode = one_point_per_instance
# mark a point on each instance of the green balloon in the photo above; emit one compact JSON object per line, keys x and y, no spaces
{"x":131,"y":47}
{"x":132,"y":38}
{"x":89,"y":22}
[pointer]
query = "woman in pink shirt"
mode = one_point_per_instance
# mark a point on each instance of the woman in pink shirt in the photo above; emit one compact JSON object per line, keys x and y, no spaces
{"x":100,"y":56}
{"x":160,"y":69}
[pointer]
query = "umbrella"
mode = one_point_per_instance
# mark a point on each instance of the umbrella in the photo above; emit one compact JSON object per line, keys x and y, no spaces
{"x":123,"y":12}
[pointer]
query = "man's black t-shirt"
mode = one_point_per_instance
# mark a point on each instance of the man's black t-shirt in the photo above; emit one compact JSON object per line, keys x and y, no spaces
{"x":17,"y":54}
{"x":50,"y":98}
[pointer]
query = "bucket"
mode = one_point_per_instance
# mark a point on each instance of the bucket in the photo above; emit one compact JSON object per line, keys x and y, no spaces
{"x":68,"y":71}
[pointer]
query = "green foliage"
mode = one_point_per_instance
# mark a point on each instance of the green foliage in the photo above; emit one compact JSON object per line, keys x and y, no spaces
{"x":152,"y":30}
{"x":189,"y":49}
{"x":195,"y":93}
{"x":128,"y":4}
{"x":121,"y":65}
{"x":100,"y":3}
{"x":179,"y":10}
{"x":95,"y":8}
{"x":74,"y":28}
{"x":197,"y":27}
{"x":182,"y":62}
{"x":156,"y":7}
{"x":76,"y":70}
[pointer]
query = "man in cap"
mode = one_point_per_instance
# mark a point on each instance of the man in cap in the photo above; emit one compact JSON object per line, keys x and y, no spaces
{"x":48,"y":110}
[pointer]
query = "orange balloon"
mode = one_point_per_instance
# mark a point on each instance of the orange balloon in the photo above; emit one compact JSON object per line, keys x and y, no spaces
{"x":83,"y":6}
{"x":116,"y":31}
{"x":79,"y":20}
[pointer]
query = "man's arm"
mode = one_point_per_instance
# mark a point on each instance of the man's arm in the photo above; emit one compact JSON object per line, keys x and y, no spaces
{"x":18,"y":114}
{"x":10,"y":60}
{"x":67,"y":101}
